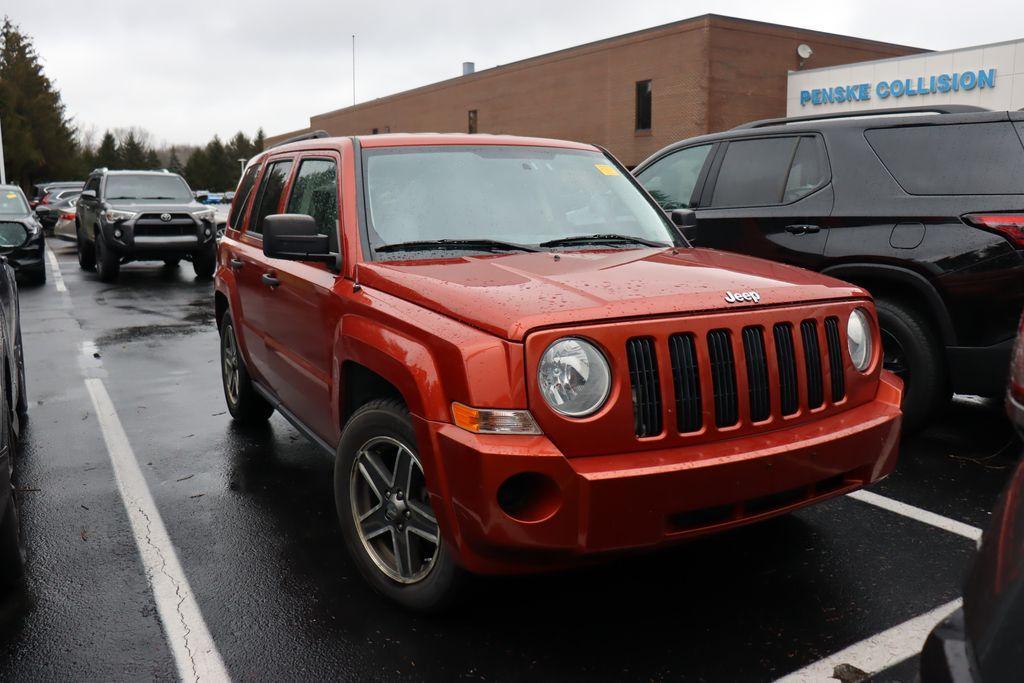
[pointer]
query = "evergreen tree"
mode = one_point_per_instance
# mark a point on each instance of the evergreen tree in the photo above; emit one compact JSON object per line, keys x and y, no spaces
{"x":174,"y":163}
{"x":197,"y":170}
{"x":258,"y":142}
{"x":152,"y":160}
{"x":240,"y":147}
{"x":221,"y":167}
{"x":132,"y":152}
{"x":107,"y":155}
{"x":39,"y":140}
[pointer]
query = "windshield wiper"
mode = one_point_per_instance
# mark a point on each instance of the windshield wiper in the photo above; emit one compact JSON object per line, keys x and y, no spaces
{"x":601,"y":239}
{"x":478,"y":244}
{"x":112,"y":198}
{"x":161,"y":197}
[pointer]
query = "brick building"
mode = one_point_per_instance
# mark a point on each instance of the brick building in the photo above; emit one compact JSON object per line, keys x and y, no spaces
{"x":633,"y":93}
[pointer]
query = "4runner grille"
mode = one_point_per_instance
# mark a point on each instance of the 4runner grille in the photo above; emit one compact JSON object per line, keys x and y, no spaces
{"x":150,"y":225}
{"x":773,"y":380}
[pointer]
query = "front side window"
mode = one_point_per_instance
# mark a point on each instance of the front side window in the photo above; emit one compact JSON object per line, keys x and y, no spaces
{"x":12,"y":202}
{"x":808,"y":170}
{"x":754,"y":172}
{"x":672,"y":179}
{"x":240,"y":201}
{"x":147,"y":187}
{"x":270,"y":193}
{"x":315,"y":193}
{"x":525,"y":195}
{"x":93,"y":184}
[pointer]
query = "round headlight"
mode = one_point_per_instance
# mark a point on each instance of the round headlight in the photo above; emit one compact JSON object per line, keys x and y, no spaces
{"x":858,"y":339}
{"x":574,"y":377}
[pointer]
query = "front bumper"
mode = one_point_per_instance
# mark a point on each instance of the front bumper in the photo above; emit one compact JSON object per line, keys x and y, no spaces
{"x":609,"y":503}
{"x":30,"y":256}
{"x":143,"y":238}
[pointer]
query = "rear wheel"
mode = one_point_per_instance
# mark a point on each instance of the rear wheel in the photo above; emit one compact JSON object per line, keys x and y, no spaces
{"x":205,"y":262}
{"x":172,"y":262}
{"x":108,"y":265}
{"x":390,"y":530}
{"x":911,"y":350}
{"x":244,"y":402}
{"x":86,"y":251}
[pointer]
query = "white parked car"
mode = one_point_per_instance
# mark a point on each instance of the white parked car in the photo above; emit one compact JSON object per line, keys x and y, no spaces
{"x":65,"y":226}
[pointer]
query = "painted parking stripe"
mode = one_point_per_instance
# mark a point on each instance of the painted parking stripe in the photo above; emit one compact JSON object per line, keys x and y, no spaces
{"x":58,"y":279}
{"x":916,"y":513}
{"x":880,"y":651}
{"x":195,"y":654}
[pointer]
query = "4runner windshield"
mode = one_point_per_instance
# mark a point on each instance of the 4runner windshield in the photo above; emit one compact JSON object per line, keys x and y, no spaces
{"x":145,"y":187}
{"x":495,"y":198}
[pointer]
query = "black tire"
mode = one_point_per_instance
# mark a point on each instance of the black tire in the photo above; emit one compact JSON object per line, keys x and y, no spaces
{"x":21,"y":405}
{"x":912,"y":351}
{"x":12,"y":552}
{"x":442,"y":581}
{"x":86,"y":251}
{"x":205,"y":262}
{"x":108,"y":265}
{"x":36,"y":276}
{"x":244,"y":403}
{"x":172,"y":262}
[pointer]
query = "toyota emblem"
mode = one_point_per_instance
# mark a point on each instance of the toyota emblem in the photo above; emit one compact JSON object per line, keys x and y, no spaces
{"x":165,"y":217}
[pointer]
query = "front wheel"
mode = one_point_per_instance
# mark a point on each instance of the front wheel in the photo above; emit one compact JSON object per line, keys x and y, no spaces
{"x":390,"y":529}
{"x":86,"y":252}
{"x":911,"y":350}
{"x":108,"y":265}
{"x":244,"y":402}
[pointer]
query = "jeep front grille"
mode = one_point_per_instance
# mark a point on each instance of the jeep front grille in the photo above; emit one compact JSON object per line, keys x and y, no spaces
{"x":643,"y":375}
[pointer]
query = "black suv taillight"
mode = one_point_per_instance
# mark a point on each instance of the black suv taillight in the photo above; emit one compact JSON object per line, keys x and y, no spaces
{"x":1009,"y":225}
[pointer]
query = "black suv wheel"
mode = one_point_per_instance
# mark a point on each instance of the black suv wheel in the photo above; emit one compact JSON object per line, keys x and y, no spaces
{"x":108,"y":265}
{"x":204,"y":262}
{"x":86,"y":252}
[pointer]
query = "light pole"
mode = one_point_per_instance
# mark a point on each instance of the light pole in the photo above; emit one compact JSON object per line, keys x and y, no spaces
{"x":3,"y":171}
{"x":241,"y":165}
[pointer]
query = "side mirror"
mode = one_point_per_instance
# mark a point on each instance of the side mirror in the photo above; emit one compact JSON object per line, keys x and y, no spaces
{"x":686,"y":221}
{"x":295,"y":237}
{"x":89,"y":194}
{"x":12,"y":235}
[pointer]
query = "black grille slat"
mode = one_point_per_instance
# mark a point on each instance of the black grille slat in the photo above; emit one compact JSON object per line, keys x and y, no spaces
{"x":757,"y":374}
{"x":789,"y":397}
{"x":812,"y":361}
{"x":149,"y":224}
{"x":835,"y":359}
{"x":643,"y":376}
{"x":686,"y":377}
{"x":723,"y":376}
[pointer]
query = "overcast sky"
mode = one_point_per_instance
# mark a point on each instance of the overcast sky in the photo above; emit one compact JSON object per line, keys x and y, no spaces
{"x":185,"y":70}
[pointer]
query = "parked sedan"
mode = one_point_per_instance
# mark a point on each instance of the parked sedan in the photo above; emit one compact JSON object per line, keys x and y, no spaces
{"x":13,"y":235}
{"x":49,"y":210}
{"x":28,"y":259}
{"x":65,"y":227}
{"x":984,"y":640}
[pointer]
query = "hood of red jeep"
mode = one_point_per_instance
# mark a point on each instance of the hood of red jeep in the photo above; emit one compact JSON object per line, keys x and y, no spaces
{"x":508,"y":295}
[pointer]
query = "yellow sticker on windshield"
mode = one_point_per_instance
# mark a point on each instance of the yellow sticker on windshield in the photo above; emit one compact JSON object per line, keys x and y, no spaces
{"x":11,"y":195}
{"x":607,"y":169}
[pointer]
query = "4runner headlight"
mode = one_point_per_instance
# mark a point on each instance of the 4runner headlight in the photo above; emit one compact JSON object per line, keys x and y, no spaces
{"x":205,"y":215}
{"x":115,"y":215}
{"x":574,"y":377}
{"x":858,"y":339}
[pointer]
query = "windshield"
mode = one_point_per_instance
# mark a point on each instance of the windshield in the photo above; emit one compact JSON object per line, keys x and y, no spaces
{"x":12,"y":203}
{"x":156,"y":187}
{"x":512,"y":194}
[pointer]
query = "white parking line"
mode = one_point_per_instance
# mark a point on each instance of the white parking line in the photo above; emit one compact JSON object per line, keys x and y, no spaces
{"x":880,"y":651}
{"x":58,"y":279}
{"x":195,"y":654}
{"x":915,"y":513}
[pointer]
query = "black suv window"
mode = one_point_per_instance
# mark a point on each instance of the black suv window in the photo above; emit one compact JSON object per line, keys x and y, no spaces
{"x":671,"y":179}
{"x":808,"y":171}
{"x":93,"y":184}
{"x":241,"y":200}
{"x":977,"y":158}
{"x":754,"y":172}
{"x":270,"y":193}
{"x":315,"y":193}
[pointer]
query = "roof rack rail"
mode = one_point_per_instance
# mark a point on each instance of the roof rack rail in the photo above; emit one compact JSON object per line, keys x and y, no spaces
{"x":863,"y":113}
{"x":315,"y":135}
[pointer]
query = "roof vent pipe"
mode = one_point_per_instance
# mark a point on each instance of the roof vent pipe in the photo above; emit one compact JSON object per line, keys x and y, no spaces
{"x":468,"y":68}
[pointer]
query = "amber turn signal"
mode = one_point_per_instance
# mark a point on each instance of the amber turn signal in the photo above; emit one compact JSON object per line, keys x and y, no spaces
{"x":494,"y":420}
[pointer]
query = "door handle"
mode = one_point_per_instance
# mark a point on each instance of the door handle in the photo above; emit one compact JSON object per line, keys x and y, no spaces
{"x":802,"y":229}
{"x":236,"y":264}
{"x":269,"y":280}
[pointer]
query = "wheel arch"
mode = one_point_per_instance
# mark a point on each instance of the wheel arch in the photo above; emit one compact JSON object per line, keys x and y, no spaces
{"x":881,"y":279}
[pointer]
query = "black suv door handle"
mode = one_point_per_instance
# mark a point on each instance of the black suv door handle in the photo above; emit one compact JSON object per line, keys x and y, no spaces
{"x":236,"y":263}
{"x":269,"y":280}
{"x":802,"y":229}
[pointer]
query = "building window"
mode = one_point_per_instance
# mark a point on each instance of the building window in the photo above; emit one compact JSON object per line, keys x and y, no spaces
{"x":375,"y":131}
{"x":472,"y":121}
{"x":643,"y":105}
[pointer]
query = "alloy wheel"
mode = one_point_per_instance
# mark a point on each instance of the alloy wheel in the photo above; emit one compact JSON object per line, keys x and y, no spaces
{"x":229,"y":364}
{"x":391,"y":510}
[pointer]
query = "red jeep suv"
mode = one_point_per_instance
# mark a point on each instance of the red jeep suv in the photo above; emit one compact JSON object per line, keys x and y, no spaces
{"x":518,"y":362}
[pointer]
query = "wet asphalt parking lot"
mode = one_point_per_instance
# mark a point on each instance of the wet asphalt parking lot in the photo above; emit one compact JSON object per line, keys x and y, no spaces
{"x":251,"y":517}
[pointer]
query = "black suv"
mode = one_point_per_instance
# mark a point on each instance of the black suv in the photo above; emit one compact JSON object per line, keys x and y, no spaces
{"x":922,"y":207}
{"x":127,"y":216}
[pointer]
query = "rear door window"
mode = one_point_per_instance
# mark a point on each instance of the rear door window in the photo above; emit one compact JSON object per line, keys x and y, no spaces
{"x":754,"y":172}
{"x":809,"y":169}
{"x":315,"y":193}
{"x":241,"y":201}
{"x":269,"y":197}
{"x":959,"y":159}
{"x":672,"y":179}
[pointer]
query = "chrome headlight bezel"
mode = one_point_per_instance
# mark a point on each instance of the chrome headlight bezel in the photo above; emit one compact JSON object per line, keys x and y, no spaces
{"x":598,"y":376}
{"x":118,"y":216}
{"x":859,"y":341}
{"x":209,"y":215}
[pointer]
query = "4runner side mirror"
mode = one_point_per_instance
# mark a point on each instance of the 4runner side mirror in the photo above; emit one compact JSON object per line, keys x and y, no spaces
{"x":686,"y":221}
{"x":12,"y":236}
{"x":89,"y":194}
{"x":295,"y":237}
